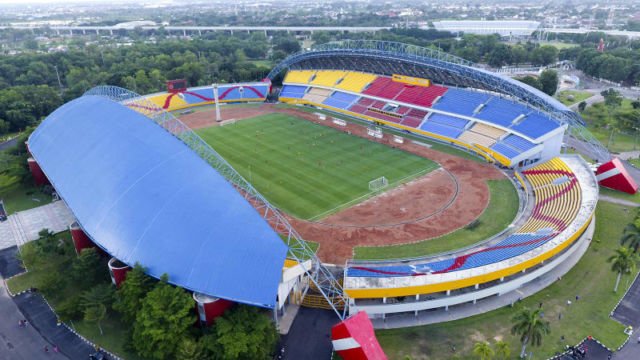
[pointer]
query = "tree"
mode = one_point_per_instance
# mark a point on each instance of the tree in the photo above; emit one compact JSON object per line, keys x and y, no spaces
{"x":87,"y":268}
{"x":582,"y":106}
{"x":544,"y":55}
{"x":96,"y":302}
{"x":245,"y":333}
{"x":549,"y":81}
{"x":631,"y":235}
{"x":190,"y":350}
{"x":483,"y":350}
{"x":531,"y":81}
{"x":503,"y":350}
{"x":530,"y":327}
{"x":132,"y":292}
{"x":623,"y":261}
{"x":163,"y":321}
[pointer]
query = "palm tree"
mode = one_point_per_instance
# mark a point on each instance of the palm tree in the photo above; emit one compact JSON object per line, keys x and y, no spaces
{"x":483,"y":350}
{"x":622,"y":262}
{"x":530,"y":327}
{"x":631,"y":235}
{"x":503,"y":350}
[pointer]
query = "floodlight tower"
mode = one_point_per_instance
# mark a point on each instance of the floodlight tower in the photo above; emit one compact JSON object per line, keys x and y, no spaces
{"x":215,"y":99}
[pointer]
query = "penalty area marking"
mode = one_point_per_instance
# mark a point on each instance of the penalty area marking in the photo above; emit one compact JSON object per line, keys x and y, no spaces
{"x":369,"y":194}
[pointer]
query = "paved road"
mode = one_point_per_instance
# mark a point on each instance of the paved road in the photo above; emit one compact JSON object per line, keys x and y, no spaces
{"x":310,"y":335}
{"x":628,"y":313}
{"x":18,"y":342}
{"x":8,"y":144}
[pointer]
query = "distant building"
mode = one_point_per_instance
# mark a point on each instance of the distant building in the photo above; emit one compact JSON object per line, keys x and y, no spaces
{"x":506,"y":28}
{"x":134,"y":24}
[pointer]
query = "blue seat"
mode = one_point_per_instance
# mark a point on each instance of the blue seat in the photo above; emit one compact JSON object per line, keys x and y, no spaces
{"x":535,"y":125}
{"x":501,"y":112}
{"x":460,"y":101}
{"x":449,"y":120}
{"x":340,"y":100}
{"x":293,"y":91}
{"x":444,"y":130}
{"x":518,"y":142}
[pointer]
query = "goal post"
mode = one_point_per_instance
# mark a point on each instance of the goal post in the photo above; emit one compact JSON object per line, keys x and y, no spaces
{"x":378,"y":184}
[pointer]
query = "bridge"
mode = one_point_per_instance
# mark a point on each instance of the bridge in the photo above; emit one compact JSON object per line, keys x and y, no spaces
{"x":71,"y":29}
{"x":197,"y":29}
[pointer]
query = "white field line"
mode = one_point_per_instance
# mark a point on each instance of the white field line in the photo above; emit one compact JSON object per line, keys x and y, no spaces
{"x":369,"y":194}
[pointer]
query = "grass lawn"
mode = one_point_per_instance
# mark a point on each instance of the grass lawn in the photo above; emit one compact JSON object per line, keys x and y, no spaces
{"x":591,"y":279}
{"x":502,"y":209}
{"x":18,"y":197}
{"x":309,"y":170}
{"x":112,"y":339}
{"x":620,"y":195}
{"x":578,"y":96}
{"x":597,"y":115}
{"x":447,"y":149}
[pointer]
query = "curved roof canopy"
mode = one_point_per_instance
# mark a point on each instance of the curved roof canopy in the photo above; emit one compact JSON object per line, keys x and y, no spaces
{"x":144,"y":196}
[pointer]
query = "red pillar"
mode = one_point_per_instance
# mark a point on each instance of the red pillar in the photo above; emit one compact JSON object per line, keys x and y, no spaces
{"x":209,"y":308}
{"x":80,"y":239}
{"x":118,"y":271}
{"x":38,"y":176}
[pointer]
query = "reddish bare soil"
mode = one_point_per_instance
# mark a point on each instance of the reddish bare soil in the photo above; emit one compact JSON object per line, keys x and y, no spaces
{"x":431,"y":206}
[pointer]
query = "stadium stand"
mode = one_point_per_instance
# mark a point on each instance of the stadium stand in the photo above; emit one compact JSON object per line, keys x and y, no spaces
{"x":293,"y":91}
{"x":501,"y":112}
{"x":327,"y":78}
{"x":384,"y":87}
{"x":518,"y":143}
{"x":411,"y":121}
{"x":488,"y":131}
{"x":448,"y":120}
{"x":299,"y":76}
{"x":460,"y":101}
{"x":440,"y":129}
{"x":317,"y":95}
{"x":535,"y":125}
{"x":355,"y":81}
{"x":420,"y":95}
{"x":557,"y":202}
{"x":340,"y":100}
{"x":505,"y":150}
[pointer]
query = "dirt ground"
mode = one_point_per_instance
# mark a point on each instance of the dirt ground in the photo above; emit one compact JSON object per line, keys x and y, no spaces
{"x":431,"y":206}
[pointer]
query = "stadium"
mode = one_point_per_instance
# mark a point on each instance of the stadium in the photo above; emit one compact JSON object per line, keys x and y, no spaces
{"x":269,"y":195}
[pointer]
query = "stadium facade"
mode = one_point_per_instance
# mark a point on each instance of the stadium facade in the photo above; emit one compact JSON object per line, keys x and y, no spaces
{"x":146,"y":189}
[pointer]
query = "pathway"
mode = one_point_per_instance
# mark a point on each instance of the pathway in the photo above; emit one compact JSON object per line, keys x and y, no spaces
{"x":615,"y":200}
{"x":23,"y":226}
{"x":18,"y":342}
{"x":628,"y":313}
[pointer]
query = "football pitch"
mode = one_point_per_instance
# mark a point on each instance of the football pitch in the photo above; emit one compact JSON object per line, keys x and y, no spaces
{"x":308,"y":170}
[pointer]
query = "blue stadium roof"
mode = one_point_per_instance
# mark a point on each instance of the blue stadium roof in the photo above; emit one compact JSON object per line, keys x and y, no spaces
{"x":144,"y":196}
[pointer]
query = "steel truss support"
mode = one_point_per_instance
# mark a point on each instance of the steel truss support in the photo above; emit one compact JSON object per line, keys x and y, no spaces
{"x":299,"y":250}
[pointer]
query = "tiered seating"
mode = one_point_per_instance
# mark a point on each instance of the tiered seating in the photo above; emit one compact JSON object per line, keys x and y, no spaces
{"x":403,"y":110}
{"x":384,"y":87}
{"x":364,"y":105}
{"x":420,"y":95}
{"x":298,"y":76}
{"x":557,"y":204}
{"x":340,"y":100}
{"x":293,"y":91}
{"x":557,"y":196}
{"x":460,"y":101}
{"x":317,"y":95}
{"x":440,"y":129}
{"x":535,"y":125}
{"x":501,"y":112}
{"x":512,"y":146}
{"x":482,"y":134}
{"x":417,"y":113}
{"x":488,"y":130}
{"x":449,"y":120}
{"x":411,"y":121}
{"x":327,"y":77}
{"x":518,"y":143}
{"x":355,"y":81}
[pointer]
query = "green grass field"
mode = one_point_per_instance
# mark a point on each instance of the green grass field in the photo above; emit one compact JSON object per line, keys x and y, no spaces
{"x":502,"y":209}
{"x":19,"y":197}
{"x":578,"y":96}
{"x":309,"y":170}
{"x":435,"y":145}
{"x":591,"y":279}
